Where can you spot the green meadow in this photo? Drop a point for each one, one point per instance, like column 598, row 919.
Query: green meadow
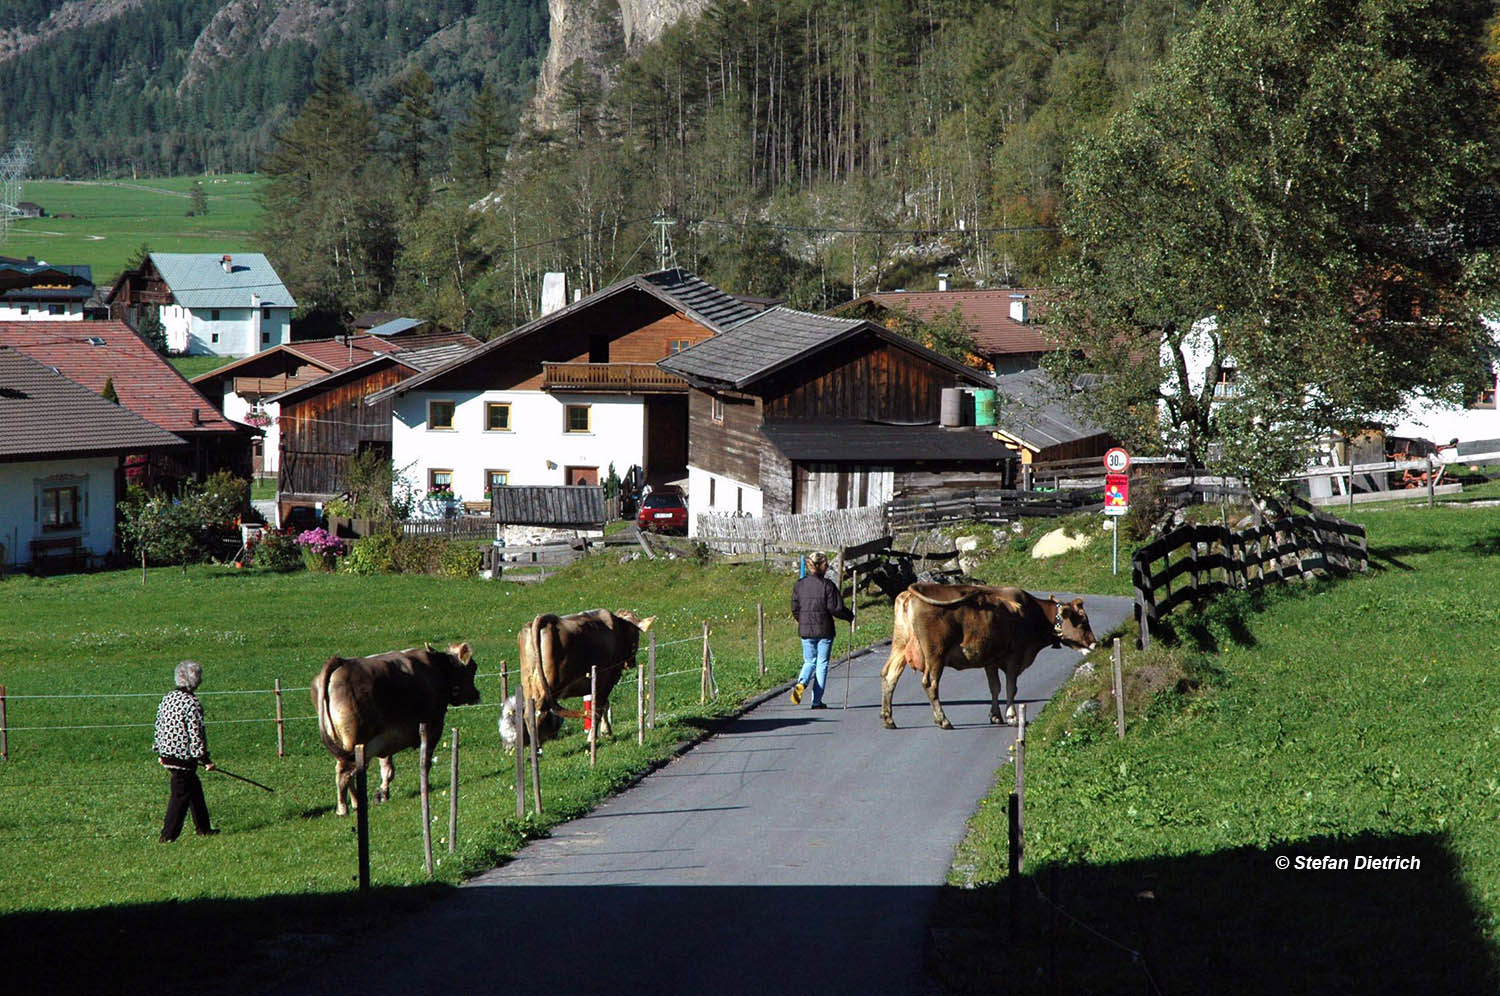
column 1321, row 725
column 102, row 223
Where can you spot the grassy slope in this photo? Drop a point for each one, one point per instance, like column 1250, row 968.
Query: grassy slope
column 1336, row 719
column 102, row 223
column 79, row 809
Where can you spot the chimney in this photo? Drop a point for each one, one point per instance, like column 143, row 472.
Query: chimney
column 577, row 294
column 554, row 292
column 942, row 281
column 1018, row 310
column 255, row 323
column 227, row 262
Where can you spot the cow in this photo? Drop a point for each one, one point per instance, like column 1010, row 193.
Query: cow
column 964, row 626
column 379, row 701
column 556, row 654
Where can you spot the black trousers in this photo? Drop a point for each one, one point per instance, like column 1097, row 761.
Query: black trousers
column 187, row 793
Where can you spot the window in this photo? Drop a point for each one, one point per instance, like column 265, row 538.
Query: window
column 718, row 409
column 440, row 415
column 60, row 507
column 497, row 416
column 25, row 309
column 213, row 315
column 265, row 338
column 55, row 309
column 678, row 345
column 711, row 483
column 265, row 314
column 214, row 337
column 739, row 499
column 439, row 481
column 495, row 479
column 1226, row 386
column 577, row 418
column 1486, row 398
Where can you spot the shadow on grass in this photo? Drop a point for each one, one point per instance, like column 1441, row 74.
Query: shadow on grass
column 1380, row 556
column 1208, row 627
column 1488, row 546
column 1225, row 922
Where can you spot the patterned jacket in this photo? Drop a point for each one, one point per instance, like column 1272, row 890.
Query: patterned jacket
column 180, row 739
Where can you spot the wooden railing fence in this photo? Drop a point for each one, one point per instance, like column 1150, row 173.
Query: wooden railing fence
column 828, row 530
column 1196, row 562
column 989, row 506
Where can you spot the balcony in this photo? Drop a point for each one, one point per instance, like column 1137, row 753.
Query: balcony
column 255, row 388
column 611, row 378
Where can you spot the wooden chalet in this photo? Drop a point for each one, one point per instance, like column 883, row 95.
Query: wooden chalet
column 1041, row 427
column 1004, row 322
column 796, row 412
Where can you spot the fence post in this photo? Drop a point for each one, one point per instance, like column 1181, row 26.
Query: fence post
column 362, row 817
column 424, row 778
column 651, row 662
column 1431, row 484
column 521, row 736
column 703, row 674
column 760, row 637
column 1119, row 693
column 536, row 767
column 593, row 714
column 4, row 729
column 640, row 705
column 453, row 796
column 504, row 683
column 280, row 735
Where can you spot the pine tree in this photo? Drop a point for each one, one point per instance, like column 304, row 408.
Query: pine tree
column 479, row 143
column 109, row 391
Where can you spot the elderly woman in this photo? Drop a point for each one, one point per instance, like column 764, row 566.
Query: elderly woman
column 182, row 745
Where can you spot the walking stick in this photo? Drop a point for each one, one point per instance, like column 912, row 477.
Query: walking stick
column 849, row 665
column 242, row 778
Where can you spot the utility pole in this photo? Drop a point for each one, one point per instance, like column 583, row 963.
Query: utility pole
column 665, row 255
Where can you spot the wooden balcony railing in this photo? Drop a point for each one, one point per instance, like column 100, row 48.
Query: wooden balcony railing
column 262, row 387
column 628, row 378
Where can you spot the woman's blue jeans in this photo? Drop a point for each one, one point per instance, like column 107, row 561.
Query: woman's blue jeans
column 815, row 665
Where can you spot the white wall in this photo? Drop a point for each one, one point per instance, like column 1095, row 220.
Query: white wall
column 535, row 451
column 236, row 408
column 240, row 330
column 72, row 311
column 20, row 499
column 726, row 492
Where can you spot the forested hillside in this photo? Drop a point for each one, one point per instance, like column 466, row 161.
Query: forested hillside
column 164, row 87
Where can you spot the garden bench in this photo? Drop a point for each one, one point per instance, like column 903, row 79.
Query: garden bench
column 62, row 552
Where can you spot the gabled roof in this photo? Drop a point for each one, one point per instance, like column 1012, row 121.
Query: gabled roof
column 1031, row 413
column 395, row 326
column 199, row 280
column 985, row 311
column 779, row 337
column 858, row 441
column 418, row 350
column 33, row 280
column 403, row 360
column 44, row 414
column 94, row 352
column 680, row 290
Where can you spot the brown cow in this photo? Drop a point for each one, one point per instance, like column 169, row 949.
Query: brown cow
column 556, row 654
column 964, row 626
column 379, row 701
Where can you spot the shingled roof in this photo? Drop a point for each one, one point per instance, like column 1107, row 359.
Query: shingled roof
column 1032, row 414
column 216, row 280
column 680, row 290
column 91, row 353
column 986, row 313
column 44, row 414
column 779, row 337
column 853, row 440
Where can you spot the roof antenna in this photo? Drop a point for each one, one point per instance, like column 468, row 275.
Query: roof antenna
column 666, row 256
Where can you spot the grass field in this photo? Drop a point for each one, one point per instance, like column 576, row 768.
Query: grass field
column 1324, row 721
column 81, row 801
column 102, row 223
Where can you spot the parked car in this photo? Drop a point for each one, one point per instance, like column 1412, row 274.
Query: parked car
column 664, row 512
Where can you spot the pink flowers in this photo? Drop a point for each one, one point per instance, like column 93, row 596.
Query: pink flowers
column 321, row 541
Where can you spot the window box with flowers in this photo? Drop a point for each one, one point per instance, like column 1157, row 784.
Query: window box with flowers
column 259, row 420
column 321, row 549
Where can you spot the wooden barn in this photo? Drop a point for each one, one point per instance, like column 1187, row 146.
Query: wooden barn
column 1041, row 427
column 796, row 412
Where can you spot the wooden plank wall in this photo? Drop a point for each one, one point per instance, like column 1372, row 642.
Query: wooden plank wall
column 868, row 379
column 775, row 480
column 321, row 431
column 731, row 447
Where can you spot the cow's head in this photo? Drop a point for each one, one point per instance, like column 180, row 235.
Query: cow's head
column 1070, row 626
column 461, row 688
column 641, row 625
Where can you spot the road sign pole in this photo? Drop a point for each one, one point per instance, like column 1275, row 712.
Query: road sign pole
column 1115, row 532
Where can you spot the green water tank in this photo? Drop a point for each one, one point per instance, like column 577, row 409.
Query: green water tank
column 984, row 406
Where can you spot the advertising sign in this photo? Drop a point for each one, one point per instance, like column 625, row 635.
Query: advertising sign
column 1116, row 494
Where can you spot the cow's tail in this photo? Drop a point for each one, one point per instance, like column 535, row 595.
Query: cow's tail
column 325, row 713
column 943, row 604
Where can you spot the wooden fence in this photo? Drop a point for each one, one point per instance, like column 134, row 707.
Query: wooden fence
column 828, row 530
column 989, row 506
column 457, row 527
column 1206, row 560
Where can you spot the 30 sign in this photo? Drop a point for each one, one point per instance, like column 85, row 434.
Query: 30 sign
column 1117, row 461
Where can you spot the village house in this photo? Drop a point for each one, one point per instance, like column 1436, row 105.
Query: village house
column 107, row 352
column 794, row 412
column 61, row 452
column 208, row 303
column 1005, row 323
column 559, row 400
column 35, row 290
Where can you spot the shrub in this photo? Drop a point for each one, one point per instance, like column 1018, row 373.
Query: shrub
column 277, row 551
column 460, row 560
column 372, row 555
column 418, row 555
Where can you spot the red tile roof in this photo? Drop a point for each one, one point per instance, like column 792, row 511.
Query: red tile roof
column 986, row 312
column 145, row 382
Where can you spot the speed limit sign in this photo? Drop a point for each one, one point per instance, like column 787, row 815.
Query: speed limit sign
column 1116, row 461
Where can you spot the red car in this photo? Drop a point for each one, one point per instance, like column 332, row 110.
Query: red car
column 663, row 512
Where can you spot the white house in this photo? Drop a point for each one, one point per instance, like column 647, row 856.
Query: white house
column 61, row 447
column 561, row 399
column 208, row 303
column 35, row 290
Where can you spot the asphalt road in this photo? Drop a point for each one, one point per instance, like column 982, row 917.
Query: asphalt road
column 796, row 851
